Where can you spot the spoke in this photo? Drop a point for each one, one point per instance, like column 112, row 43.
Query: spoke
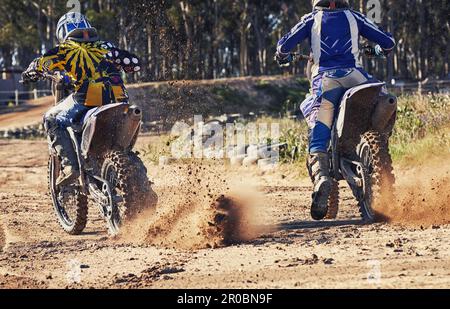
column 117, row 198
column 67, row 203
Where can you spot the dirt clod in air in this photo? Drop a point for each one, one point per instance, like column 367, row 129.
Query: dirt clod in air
column 235, row 219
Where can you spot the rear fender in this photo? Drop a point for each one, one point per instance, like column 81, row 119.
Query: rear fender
column 113, row 126
column 355, row 115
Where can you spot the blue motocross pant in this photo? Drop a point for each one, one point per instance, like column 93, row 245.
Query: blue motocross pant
column 320, row 109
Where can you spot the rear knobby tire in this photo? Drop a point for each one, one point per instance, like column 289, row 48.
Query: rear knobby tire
column 76, row 223
column 131, row 183
column 379, row 175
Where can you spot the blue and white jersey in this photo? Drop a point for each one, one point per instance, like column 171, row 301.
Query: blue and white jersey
column 334, row 38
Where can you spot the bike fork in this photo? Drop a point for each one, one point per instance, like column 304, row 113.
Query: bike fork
column 76, row 146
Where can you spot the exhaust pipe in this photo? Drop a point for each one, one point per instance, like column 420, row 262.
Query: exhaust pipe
column 135, row 112
column 384, row 110
column 129, row 127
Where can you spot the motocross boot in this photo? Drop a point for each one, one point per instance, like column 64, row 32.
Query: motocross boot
column 319, row 170
column 69, row 162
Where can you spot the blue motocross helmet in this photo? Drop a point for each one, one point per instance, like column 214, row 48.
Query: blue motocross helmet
column 76, row 27
column 332, row 4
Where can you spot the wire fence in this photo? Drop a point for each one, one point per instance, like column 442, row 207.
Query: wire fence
column 435, row 86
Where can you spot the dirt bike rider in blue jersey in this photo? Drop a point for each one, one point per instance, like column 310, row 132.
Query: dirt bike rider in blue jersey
column 333, row 30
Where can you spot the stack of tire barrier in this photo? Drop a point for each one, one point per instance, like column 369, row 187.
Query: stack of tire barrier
column 263, row 156
column 27, row 132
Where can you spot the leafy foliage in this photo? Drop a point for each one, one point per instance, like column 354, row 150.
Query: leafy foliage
column 204, row 39
column 284, row 99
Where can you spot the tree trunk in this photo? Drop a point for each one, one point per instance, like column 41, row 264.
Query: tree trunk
column 243, row 52
column 391, row 29
column 185, row 10
column 260, row 64
column 365, row 62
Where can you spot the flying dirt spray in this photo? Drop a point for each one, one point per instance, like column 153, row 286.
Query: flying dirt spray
column 422, row 196
column 201, row 209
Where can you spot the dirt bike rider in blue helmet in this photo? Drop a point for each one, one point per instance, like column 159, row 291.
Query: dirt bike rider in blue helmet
column 94, row 68
column 333, row 30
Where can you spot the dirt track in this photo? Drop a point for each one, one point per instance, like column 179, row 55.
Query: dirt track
column 27, row 114
column 293, row 251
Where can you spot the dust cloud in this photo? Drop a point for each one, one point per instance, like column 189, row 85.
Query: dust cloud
column 205, row 208
column 422, row 196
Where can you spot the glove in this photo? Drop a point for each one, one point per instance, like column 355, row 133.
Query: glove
column 376, row 51
column 30, row 76
column 283, row 59
column 369, row 51
column 380, row 51
column 66, row 80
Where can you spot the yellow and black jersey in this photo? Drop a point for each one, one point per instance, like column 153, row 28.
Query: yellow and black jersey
column 95, row 69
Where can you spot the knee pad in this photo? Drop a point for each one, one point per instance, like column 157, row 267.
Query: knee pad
column 326, row 114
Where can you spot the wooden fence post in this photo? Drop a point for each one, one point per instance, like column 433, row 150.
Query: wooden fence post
column 17, row 97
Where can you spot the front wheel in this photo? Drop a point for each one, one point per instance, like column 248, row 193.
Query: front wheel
column 130, row 188
column 377, row 174
column 70, row 204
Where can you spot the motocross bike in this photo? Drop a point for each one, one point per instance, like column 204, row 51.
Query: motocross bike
column 359, row 149
column 112, row 176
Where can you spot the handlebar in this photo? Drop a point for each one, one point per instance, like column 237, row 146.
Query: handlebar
column 299, row 57
column 368, row 51
column 293, row 57
column 55, row 77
